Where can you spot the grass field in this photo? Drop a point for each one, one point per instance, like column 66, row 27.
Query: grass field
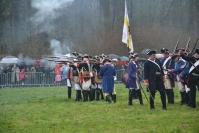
column 47, row 109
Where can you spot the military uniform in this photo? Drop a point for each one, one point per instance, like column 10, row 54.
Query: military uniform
column 179, row 65
column 167, row 63
column 85, row 78
column 99, row 93
column 193, row 77
column 107, row 72
column 76, row 80
column 153, row 74
column 132, row 80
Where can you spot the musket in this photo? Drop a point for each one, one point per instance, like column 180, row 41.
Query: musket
column 143, row 91
column 187, row 46
column 192, row 54
column 176, row 47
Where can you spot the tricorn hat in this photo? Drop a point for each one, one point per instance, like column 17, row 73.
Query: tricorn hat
column 133, row 55
column 164, row 50
column 197, row 51
column 150, row 52
column 106, row 60
column 174, row 56
column 85, row 56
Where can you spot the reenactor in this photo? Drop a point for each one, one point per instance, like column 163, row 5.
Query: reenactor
column 107, row 72
column 193, row 75
column 153, row 78
column 167, row 63
column 132, row 82
column 178, row 71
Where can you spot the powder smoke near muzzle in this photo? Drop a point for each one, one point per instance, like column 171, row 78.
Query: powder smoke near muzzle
column 56, row 47
column 47, row 11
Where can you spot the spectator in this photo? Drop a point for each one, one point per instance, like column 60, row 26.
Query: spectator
column 22, row 76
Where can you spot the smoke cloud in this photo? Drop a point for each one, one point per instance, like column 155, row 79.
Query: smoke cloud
column 47, row 11
column 56, row 47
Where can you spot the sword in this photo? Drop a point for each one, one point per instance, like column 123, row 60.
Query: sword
column 143, row 91
column 150, row 93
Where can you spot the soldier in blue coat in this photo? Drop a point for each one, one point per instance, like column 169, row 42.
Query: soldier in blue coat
column 107, row 72
column 193, row 76
column 153, row 74
column 178, row 70
column 133, row 79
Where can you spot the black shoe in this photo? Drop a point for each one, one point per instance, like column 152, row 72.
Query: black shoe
column 192, row 106
column 114, row 98
column 130, row 104
column 108, row 99
column 152, row 107
column 164, row 108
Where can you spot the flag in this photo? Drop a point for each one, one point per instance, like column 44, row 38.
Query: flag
column 126, row 37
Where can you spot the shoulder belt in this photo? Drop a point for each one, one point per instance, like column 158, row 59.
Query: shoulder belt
column 155, row 63
column 194, row 66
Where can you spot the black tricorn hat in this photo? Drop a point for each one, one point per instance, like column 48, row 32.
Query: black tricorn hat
column 174, row 56
column 75, row 53
column 133, row 55
column 164, row 50
column 183, row 49
column 106, row 60
column 197, row 51
column 150, row 52
column 85, row 56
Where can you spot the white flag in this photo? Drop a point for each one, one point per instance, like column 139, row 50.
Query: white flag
column 126, row 37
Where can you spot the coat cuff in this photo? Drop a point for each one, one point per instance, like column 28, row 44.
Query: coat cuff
column 146, row 81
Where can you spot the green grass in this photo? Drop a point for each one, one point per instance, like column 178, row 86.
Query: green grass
column 46, row 109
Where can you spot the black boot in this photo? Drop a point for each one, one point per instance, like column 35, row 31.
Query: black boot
column 182, row 98
column 111, row 95
column 69, row 92
column 187, row 97
column 152, row 97
column 130, row 97
column 78, row 95
column 97, row 94
column 90, row 93
column 76, row 99
column 168, row 95
column 114, row 98
column 94, row 91
column 139, row 94
column 163, row 99
column 101, row 93
column 108, row 99
column 85, row 95
column 172, row 96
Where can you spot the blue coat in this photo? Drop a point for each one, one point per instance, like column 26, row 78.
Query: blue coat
column 132, row 75
column 107, row 72
column 178, row 66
